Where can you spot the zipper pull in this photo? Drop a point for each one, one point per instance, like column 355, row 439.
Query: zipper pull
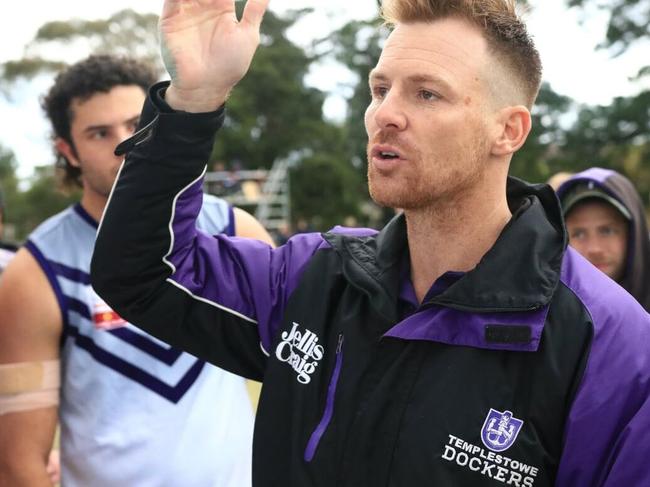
column 340, row 344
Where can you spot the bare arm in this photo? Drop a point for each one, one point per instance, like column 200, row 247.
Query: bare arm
column 30, row 329
column 247, row 226
column 207, row 50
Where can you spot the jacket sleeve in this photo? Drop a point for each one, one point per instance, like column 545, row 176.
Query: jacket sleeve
column 217, row 297
column 607, row 433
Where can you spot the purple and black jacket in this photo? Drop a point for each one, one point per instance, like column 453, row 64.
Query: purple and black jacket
column 533, row 369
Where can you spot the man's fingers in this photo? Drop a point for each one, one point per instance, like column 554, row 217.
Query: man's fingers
column 254, row 12
column 170, row 7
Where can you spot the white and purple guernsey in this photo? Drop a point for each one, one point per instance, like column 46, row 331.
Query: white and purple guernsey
column 135, row 411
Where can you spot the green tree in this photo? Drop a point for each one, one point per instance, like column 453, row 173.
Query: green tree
column 617, row 136
column 541, row 156
column 271, row 114
column 126, row 33
column 324, row 191
column 8, row 187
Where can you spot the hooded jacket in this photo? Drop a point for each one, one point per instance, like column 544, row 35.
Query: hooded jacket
column 636, row 279
column 531, row 370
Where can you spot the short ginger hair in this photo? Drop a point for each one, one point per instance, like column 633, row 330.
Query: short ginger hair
column 507, row 38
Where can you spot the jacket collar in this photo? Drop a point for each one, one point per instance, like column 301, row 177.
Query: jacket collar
column 519, row 273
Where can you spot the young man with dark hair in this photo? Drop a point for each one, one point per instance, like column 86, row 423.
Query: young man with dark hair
column 133, row 411
column 463, row 345
column 606, row 222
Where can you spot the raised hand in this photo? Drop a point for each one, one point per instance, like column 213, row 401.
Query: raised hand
column 206, row 50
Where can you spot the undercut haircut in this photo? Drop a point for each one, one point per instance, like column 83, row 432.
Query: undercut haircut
column 80, row 82
column 507, row 38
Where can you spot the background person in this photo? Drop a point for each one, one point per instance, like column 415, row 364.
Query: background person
column 606, row 222
column 7, row 250
column 133, row 411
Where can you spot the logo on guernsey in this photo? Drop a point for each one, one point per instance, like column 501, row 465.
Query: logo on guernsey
column 104, row 317
column 300, row 350
column 500, row 430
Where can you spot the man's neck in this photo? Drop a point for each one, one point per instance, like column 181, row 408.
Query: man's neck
column 93, row 204
column 453, row 236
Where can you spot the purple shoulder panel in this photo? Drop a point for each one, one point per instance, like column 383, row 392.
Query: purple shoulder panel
column 240, row 276
column 606, row 434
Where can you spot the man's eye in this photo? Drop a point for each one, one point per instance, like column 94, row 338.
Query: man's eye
column 99, row 134
column 379, row 91
column 428, row 95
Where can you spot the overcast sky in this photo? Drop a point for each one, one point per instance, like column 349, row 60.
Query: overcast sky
column 571, row 63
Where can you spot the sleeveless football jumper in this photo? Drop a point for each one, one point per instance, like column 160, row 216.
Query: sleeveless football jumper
column 135, row 411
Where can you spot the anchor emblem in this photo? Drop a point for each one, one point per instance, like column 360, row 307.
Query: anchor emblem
column 500, row 430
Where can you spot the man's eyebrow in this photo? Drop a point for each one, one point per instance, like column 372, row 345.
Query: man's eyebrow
column 413, row 79
column 95, row 128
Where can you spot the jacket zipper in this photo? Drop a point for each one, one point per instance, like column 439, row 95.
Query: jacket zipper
column 318, row 433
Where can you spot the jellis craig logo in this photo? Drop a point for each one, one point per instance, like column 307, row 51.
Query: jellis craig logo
column 300, row 350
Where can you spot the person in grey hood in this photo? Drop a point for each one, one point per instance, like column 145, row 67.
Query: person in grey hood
column 606, row 222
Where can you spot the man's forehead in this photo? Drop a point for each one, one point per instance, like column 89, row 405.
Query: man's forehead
column 451, row 38
column 594, row 210
column 119, row 104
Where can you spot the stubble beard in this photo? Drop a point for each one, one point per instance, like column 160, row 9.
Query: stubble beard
column 432, row 183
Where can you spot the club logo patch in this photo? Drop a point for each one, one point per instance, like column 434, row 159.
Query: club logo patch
column 500, row 430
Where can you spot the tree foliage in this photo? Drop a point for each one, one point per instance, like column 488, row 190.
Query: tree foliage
column 24, row 209
column 271, row 113
column 629, row 21
column 126, row 33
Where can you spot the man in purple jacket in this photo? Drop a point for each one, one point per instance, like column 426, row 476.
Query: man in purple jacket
column 463, row 345
column 606, row 221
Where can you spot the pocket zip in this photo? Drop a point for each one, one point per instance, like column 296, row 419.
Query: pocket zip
column 318, row 433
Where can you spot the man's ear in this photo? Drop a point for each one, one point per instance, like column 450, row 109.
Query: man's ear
column 514, row 125
column 65, row 148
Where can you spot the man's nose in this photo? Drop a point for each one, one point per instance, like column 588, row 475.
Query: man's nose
column 390, row 113
column 594, row 247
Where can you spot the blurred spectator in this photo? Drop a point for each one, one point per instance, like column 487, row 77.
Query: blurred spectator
column 606, row 222
column 7, row 250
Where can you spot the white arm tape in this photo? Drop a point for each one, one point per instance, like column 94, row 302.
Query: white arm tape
column 29, row 385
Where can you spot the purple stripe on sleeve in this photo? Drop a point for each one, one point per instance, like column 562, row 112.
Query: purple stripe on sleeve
column 71, row 273
column 606, row 434
column 79, row 307
column 231, row 229
column 244, row 277
column 455, row 327
column 85, row 215
column 51, row 277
